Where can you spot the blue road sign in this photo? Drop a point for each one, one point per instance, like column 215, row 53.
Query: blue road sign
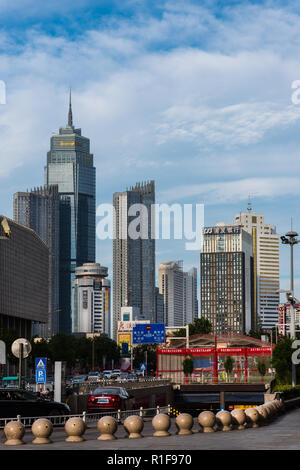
column 40, row 376
column 148, row 333
column 143, row 366
column 41, row 370
column 125, row 348
column 40, row 362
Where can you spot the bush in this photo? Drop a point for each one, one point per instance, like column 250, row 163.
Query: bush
column 287, row 391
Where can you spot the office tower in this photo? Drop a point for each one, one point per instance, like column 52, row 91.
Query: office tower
column 226, row 274
column 134, row 256
column 179, row 290
column 91, row 300
column 70, row 166
column 190, row 300
column 159, row 306
column 24, row 270
column 38, row 209
column 265, row 243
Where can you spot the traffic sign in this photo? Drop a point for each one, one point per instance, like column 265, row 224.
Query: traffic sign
column 143, row 366
column 40, row 362
column 149, row 333
column 41, row 370
column 40, row 376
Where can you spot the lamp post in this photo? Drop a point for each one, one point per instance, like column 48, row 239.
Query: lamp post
column 290, row 239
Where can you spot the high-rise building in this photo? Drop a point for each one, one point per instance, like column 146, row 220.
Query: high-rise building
column 190, row 298
column 70, row 166
column 159, row 306
column 179, row 290
column 265, row 243
column 226, row 273
column 38, row 209
column 91, row 300
column 24, row 270
column 134, row 256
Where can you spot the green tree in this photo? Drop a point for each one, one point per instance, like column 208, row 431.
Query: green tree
column 282, row 361
column 200, row 326
column 228, row 365
column 188, row 366
column 139, row 356
column 261, row 367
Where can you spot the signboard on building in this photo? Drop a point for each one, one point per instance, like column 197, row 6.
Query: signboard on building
column 221, row 229
column 148, row 333
column 128, row 325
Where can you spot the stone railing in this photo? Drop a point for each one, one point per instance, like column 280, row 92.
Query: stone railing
column 107, row 426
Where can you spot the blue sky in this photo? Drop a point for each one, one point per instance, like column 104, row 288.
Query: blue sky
column 195, row 95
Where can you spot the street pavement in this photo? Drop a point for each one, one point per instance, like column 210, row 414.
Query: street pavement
column 282, row 434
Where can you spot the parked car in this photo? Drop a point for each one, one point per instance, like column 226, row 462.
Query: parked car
column 110, row 398
column 79, row 379
column 25, row 403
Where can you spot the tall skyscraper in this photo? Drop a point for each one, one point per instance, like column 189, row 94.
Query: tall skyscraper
column 190, row 298
column 133, row 257
column 179, row 290
column 226, row 273
column 265, row 243
column 38, row 209
column 91, row 300
column 70, row 166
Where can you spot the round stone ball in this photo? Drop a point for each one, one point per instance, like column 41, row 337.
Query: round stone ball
column 253, row 417
column 207, row 420
column 14, row 431
column 239, row 418
column 107, row 426
column 134, row 425
column 184, row 423
column 75, row 428
column 262, row 413
column 42, row 428
column 161, row 424
column 224, row 419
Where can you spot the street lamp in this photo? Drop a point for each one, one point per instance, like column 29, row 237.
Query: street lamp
column 290, row 239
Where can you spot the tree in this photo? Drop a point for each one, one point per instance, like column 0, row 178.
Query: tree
column 200, row 326
column 282, row 361
column 228, row 365
column 139, row 356
column 261, row 367
column 188, row 366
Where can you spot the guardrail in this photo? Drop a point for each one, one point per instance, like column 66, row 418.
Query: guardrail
column 88, row 418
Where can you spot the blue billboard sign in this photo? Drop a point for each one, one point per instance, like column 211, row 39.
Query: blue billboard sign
column 143, row 333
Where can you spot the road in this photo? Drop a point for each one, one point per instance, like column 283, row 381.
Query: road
column 281, row 434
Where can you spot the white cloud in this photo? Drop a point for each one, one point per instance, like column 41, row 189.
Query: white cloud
column 224, row 192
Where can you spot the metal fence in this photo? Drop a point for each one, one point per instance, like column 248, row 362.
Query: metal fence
column 90, row 418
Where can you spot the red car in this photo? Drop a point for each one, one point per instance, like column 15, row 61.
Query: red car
column 110, row 399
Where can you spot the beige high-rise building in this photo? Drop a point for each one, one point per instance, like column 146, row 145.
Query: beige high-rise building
column 179, row 290
column 265, row 242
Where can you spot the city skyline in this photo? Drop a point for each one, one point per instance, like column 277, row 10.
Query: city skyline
column 161, row 103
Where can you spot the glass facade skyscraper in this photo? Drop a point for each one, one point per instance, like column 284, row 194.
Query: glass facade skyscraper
column 38, row 209
column 133, row 258
column 70, row 166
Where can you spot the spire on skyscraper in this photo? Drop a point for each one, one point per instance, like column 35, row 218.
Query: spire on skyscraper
column 70, row 115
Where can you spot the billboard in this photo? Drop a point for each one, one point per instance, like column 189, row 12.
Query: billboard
column 124, row 338
column 149, row 333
